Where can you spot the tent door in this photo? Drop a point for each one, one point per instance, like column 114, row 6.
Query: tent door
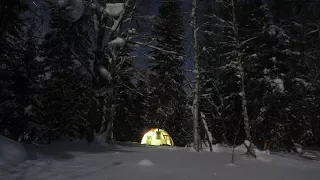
column 149, row 139
column 158, row 135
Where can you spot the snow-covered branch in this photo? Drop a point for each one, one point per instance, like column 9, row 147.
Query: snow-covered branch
column 248, row 40
column 228, row 23
column 311, row 32
column 153, row 47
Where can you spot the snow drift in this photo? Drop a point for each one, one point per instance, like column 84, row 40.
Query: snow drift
column 11, row 152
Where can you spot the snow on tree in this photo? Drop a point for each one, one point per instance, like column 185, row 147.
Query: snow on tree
column 279, row 84
column 114, row 9
column 166, row 102
column 105, row 73
column 20, row 72
column 73, row 9
column 108, row 66
column 67, row 55
column 118, row 41
column 259, row 67
column 237, row 59
column 230, row 54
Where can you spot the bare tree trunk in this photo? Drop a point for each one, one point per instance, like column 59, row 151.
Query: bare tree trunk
column 234, row 142
column 233, row 148
column 245, row 115
column 111, row 130
column 241, row 72
column 196, row 99
column 208, row 133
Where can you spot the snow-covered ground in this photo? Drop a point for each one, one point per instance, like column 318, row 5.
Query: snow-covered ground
column 11, row 152
column 77, row 160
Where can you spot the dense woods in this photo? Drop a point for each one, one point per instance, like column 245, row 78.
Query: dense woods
column 69, row 68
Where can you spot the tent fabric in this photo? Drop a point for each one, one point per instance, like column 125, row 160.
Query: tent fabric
column 157, row 137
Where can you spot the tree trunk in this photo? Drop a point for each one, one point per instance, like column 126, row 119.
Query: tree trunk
column 242, row 74
column 208, row 133
column 92, row 119
column 245, row 115
column 196, row 99
column 102, row 111
column 97, row 112
column 111, row 131
column 97, row 116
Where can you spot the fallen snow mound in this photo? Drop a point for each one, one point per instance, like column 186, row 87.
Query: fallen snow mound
column 11, row 152
column 145, row 162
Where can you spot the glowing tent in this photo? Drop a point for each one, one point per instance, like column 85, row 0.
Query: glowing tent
column 157, row 137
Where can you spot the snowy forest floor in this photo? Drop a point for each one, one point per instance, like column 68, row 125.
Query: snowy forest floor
column 79, row 161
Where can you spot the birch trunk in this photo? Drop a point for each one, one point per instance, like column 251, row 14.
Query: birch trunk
column 196, row 99
column 245, row 115
column 208, row 133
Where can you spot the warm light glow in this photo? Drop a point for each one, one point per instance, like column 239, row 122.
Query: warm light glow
column 150, row 138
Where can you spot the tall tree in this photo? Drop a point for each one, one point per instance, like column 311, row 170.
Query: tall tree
column 66, row 52
column 167, row 99
column 260, row 48
column 19, row 69
column 196, row 100
column 110, row 36
column 228, row 51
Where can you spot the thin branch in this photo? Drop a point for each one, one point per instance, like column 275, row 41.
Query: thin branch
column 79, row 59
column 220, row 19
column 313, row 31
column 148, row 56
column 248, row 40
column 133, row 90
column 153, row 47
column 132, row 12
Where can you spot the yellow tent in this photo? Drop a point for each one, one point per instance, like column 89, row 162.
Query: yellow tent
column 157, row 137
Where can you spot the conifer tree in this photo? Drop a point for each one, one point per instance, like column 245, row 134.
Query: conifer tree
column 19, row 70
column 166, row 101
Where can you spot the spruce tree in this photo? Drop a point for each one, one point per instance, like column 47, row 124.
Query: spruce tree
column 66, row 52
column 19, row 70
column 166, row 101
